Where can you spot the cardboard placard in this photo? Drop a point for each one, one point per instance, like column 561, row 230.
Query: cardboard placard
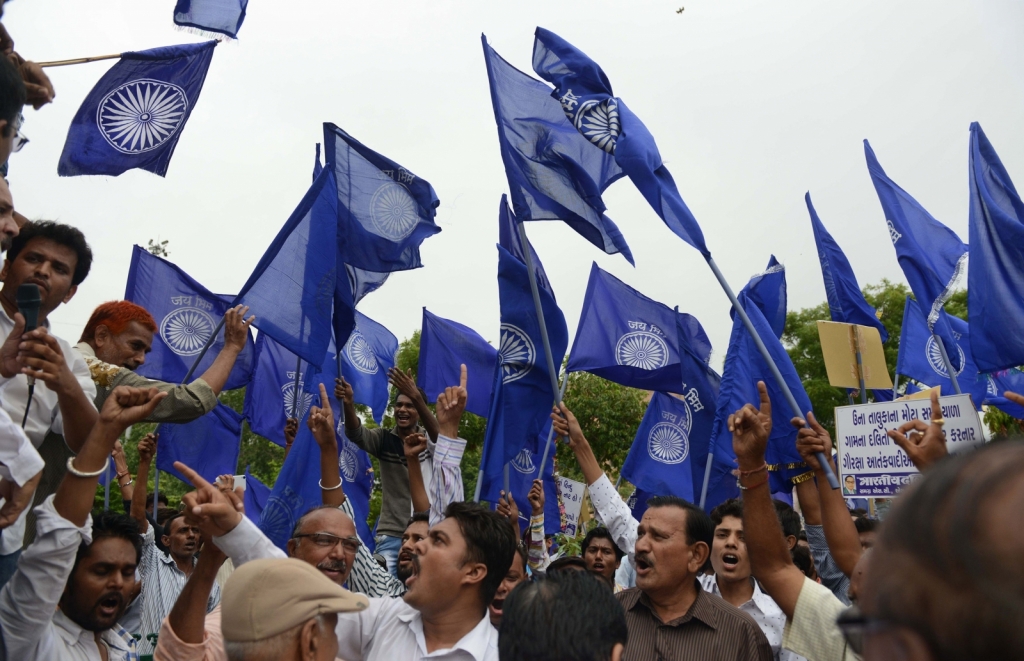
column 839, row 343
column 571, row 493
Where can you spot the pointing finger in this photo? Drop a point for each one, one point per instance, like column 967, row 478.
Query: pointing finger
column 766, row 404
column 324, row 402
column 195, row 478
column 462, row 376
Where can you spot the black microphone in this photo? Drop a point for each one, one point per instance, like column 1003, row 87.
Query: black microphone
column 28, row 301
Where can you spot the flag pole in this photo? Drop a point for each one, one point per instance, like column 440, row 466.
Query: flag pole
column 505, row 480
column 341, row 423
column 829, row 475
column 551, row 431
column 78, row 60
column 895, row 384
column 295, row 388
column 860, row 364
column 707, row 476
column 106, row 489
column 949, row 366
column 479, row 483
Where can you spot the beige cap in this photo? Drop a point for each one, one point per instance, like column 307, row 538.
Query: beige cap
column 266, row 597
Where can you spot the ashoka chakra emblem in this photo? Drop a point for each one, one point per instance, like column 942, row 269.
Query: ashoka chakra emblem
column 934, row 355
column 599, row 123
column 393, row 211
column 186, row 330
column 515, row 352
column 141, row 115
column 300, row 407
column 360, row 353
column 277, row 519
column 524, row 462
column 642, row 349
column 668, row 444
column 348, row 461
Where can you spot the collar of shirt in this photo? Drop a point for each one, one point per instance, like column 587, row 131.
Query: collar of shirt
column 169, row 561
column 699, row 610
column 759, row 601
column 475, row 643
column 116, row 638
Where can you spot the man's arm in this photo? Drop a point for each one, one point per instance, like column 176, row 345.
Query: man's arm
column 406, row 386
column 926, row 444
column 353, row 425
column 236, row 332
column 536, row 548
column 412, row 446
column 770, row 560
column 291, row 430
column 188, row 617
column 831, row 576
column 122, row 475
column 367, row 576
column 321, row 423
column 147, row 448
column 447, row 484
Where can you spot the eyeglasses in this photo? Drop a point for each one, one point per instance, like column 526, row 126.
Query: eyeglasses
column 19, row 140
column 326, row 540
column 855, row 627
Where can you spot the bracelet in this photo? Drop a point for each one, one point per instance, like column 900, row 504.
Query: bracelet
column 77, row 473
column 763, row 467
column 128, row 484
column 338, row 486
column 752, row 486
column 802, row 477
column 120, row 475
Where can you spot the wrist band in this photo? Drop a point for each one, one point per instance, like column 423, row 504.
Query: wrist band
column 338, row 486
column 763, row 467
column 752, row 486
column 77, row 473
column 120, row 475
column 802, row 477
column 127, row 484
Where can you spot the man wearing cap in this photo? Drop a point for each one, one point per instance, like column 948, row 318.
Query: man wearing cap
column 283, row 609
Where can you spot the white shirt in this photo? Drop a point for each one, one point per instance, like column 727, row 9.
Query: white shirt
column 19, row 459
column 43, row 415
column 33, row 628
column 765, row 612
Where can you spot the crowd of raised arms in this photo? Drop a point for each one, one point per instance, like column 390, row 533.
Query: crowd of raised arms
column 942, row 579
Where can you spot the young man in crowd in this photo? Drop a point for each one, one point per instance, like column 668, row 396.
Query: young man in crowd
column 602, row 556
column 516, row 574
column 668, row 614
column 74, row 582
column 867, row 531
column 410, row 410
column 56, row 259
column 415, row 532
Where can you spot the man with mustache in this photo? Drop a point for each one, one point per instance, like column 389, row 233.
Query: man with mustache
column 73, row 583
column 415, row 532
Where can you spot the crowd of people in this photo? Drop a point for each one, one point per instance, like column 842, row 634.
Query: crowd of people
column 753, row 579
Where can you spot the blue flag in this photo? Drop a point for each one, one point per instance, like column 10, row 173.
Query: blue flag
column 134, row 115
column 364, row 282
column 998, row 384
column 219, row 16
column 272, row 395
column 553, row 172
column 932, row 256
column 296, row 490
column 995, row 291
column 384, row 210
column 700, row 390
column 255, row 497
column 444, row 346
column 291, row 290
column 846, row 303
column 637, row 502
column 586, row 98
column 509, row 239
column 767, row 290
column 521, row 474
column 625, row 337
column 660, row 460
column 209, row 445
column 186, row 314
column 521, row 395
column 919, row 356
column 366, row 358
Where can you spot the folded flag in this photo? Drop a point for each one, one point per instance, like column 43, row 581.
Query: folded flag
column 135, row 114
column 995, row 277
column 846, row 303
column 767, row 290
column 630, row 339
column 444, row 346
column 365, row 360
column 186, row 315
column 209, row 444
column 553, row 172
column 659, row 461
column 217, row 16
column 585, row 94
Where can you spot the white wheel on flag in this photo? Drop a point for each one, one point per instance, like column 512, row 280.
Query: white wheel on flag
column 348, row 461
column 934, row 355
column 668, row 444
column 598, row 121
column 141, row 115
column 524, row 462
column 641, row 349
column 361, row 354
column 186, row 330
column 393, row 211
column 515, row 352
column 305, row 400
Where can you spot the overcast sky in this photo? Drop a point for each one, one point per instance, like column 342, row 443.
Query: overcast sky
column 752, row 104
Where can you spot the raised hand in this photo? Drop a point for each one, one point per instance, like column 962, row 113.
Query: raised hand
column 413, row 445
column 125, row 406
column 810, row 440
column 16, row 498
column 508, row 508
column 925, row 443
column 291, row 430
column 750, row 429
column 225, row 482
column 1014, row 397
column 236, row 327
column 217, row 512
column 343, row 391
column 404, row 383
column 567, row 426
column 321, row 420
column 450, row 406
column 9, row 363
column 41, row 357
column 147, row 448
column 536, row 497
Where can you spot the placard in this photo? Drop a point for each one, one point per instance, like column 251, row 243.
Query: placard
column 871, row 464
column 839, row 343
column 571, row 493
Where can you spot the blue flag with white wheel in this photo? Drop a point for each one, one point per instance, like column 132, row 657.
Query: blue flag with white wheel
column 585, row 94
column 255, row 497
column 630, row 339
column 553, row 172
column 997, row 385
column 522, row 471
column 700, row 386
column 521, row 396
column 186, row 314
column 366, row 358
column 659, row 461
column 272, row 396
column 216, row 16
column 509, row 239
column 445, row 345
column 209, row 445
column 134, row 115
column 384, row 210
column 931, row 255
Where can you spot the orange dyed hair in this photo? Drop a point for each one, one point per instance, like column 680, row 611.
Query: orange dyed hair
column 116, row 315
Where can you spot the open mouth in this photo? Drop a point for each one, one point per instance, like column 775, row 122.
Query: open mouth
column 598, row 566
column 110, row 605
column 497, row 605
column 730, row 561
column 643, row 566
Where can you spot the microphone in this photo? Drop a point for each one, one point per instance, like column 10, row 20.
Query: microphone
column 28, row 301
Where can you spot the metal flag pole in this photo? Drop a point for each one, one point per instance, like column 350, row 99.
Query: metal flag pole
column 295, row 387
column 551, row 431
column 106, row 489
column 505, row 480
column 78, row 60
column 895, row 384
column 829, row 475
column 341, row 404
column 945, row 361
column 479, row 483
column 707, row 476
column 860, row 364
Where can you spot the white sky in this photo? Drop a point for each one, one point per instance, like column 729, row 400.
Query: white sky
column 752, row 103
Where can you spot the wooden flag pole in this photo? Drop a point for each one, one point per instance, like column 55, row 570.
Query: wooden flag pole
column 78, row 60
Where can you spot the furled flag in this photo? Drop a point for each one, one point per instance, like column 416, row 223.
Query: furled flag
column 932, row 256
column 186, row 315
column 744, row 367
column 291, row 290
column 134, row 115
column 521, row 474
column 586, row 98
column 660, row 461
column 365, row 360
column 553, row 172
column 209, row 444
column 509, row 239
column 846, row 303
column 995, row 277
column 444, row 346
column 700, row 391
column 919, row 356
column 384, row 210
column 276, row 390
column 521, row 395
column 217, row 16
column 255, row 496
column 767, row 290
column 625, row 337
